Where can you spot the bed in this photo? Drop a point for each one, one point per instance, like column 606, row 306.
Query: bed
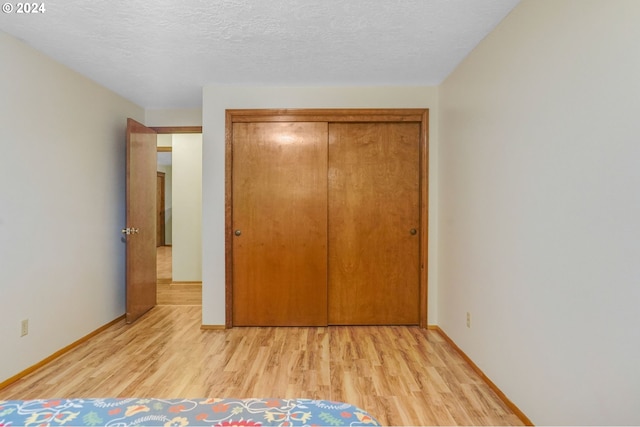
column 182, row 412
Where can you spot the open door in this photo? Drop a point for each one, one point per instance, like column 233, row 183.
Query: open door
column 141, row 220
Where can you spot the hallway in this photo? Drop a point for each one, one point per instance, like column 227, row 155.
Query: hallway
column 170, row 292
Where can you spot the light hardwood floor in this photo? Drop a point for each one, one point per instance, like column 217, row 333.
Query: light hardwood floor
column 169, row 292
column 401, row 375
column 164, row 267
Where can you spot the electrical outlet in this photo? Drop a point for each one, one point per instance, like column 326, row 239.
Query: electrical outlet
column 468, row 319
column 24, row 327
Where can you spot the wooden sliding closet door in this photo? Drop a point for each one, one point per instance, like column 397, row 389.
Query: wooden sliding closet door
column 374, row 223
column 279, row 224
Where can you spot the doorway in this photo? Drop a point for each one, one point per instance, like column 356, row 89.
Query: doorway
column 164, row 216
column 179, row 282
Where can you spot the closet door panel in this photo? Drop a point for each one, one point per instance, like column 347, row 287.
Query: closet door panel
column 374, row 218
column 280, row 224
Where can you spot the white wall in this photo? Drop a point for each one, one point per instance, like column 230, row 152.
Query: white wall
column 164, row 139
column 218, row 98
column 187, row 207
column 62, row 188
column 173, row 117
column 540, row 209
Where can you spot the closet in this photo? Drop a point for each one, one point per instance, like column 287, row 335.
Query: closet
column 326, row 217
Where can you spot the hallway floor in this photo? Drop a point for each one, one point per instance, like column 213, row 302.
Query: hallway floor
column 170, row 292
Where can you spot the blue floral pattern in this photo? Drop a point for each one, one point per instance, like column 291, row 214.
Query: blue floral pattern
column 181, row 412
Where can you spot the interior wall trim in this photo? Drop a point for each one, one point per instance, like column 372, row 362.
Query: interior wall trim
column 59, row 353
column 176, row 129
column 484, row 378
column 213, row 327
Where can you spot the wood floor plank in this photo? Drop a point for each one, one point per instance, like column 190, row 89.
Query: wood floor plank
column 164, row 266
column 168, row 291
column 401, row 375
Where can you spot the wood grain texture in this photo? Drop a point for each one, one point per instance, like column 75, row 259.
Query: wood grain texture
column 177, row 129
column 403, row 375
column 228, row 219
column 164, row 264
column 141, row 215
column 279, row 207
column 326, row 115
column 374, row 205
column 424, row 217
column 420, row 116
column 521, row 415
column 59, row 353
column 174, row 293
column 180, row 293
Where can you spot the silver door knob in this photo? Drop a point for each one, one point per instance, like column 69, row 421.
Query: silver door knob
column 238, row 232
column 413, row 231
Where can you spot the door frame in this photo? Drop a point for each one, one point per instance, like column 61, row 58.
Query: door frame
column 130, row 268
column 417, row 115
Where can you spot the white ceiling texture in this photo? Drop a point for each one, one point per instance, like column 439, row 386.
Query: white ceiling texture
column 160, row 53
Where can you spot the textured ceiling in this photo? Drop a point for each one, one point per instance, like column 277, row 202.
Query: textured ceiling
column 160, row 54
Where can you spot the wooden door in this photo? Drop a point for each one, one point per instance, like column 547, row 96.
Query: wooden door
column 280, row 224
column 160, row 208
column 374, row 222
column 141, row 220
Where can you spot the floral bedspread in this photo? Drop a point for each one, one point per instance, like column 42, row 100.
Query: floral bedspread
column 181, row 412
